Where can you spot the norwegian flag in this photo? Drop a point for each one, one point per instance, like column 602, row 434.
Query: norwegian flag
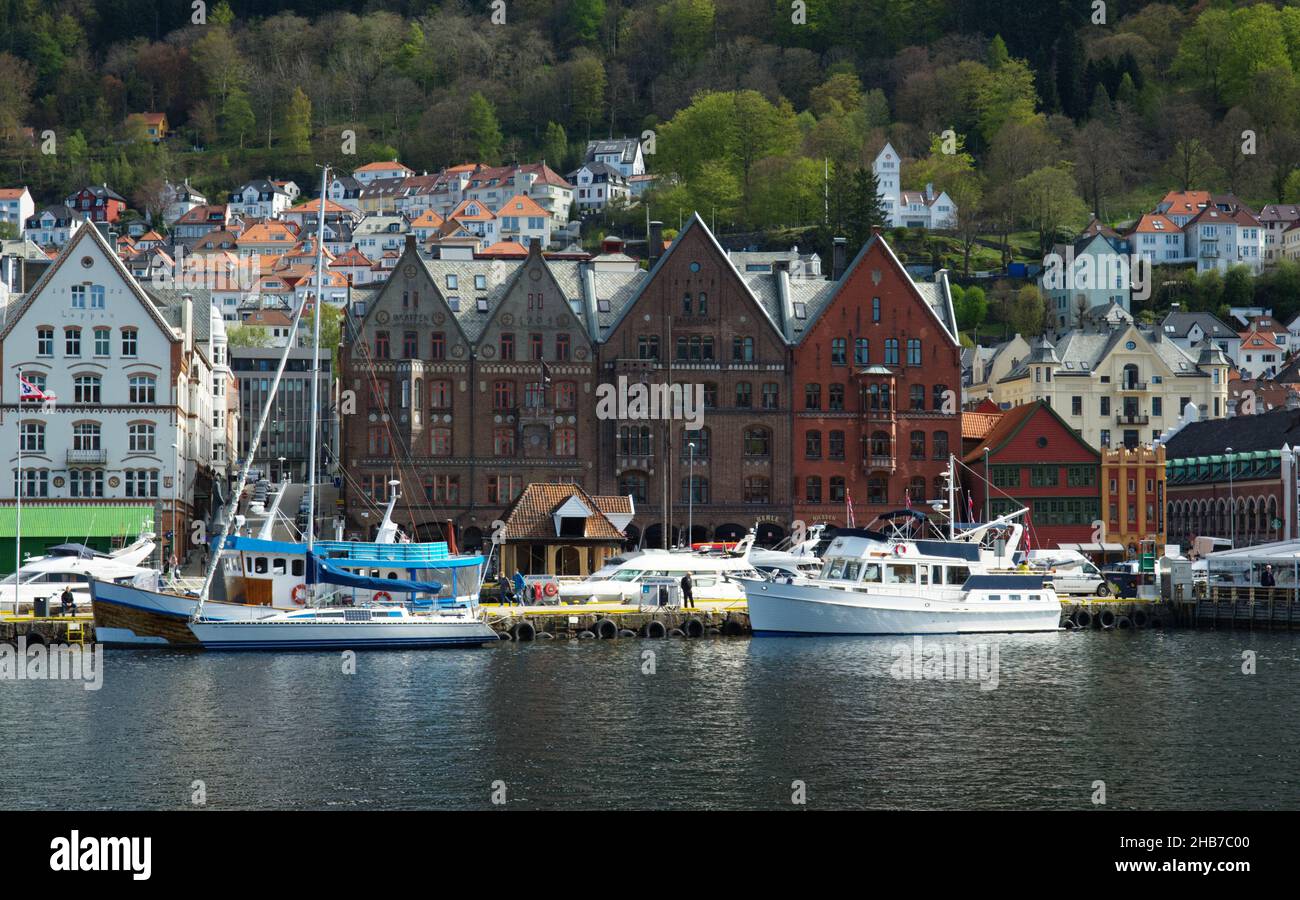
column 848, row 509
column 29, row 391
column 907, row 499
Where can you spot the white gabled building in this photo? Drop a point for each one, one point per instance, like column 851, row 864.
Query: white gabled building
column 263, row 198
column 1219, row 239
column 16, row 207
column 53, row 226
column 909, row 209
column 624, row 154
column 131, row 374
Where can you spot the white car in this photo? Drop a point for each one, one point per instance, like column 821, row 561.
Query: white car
column 1084, row 578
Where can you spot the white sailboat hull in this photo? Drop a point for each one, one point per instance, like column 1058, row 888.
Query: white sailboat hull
column 777, row 608
column 132, row 616
column 290, row 635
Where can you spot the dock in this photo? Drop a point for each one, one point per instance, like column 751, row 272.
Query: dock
column 1251, row 607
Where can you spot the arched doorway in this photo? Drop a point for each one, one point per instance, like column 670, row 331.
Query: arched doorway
column 568, row 561
column 729, row 532
column 632, row 536
column 471, row 538
column 769, row 534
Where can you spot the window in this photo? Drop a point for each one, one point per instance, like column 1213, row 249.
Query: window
column 813, row 489
column 1005, row 476
column 409, row 345
column 562, row 347
column 941, row 445
column 702, row 304
column 535, row 349
column 771, row 395
column 878, row 445
column 1076, row 406
column 503, row 395
column 566, row 442
column 838, row 490
column 916, row 394
column 861, row 351
column 381, row 345
column 918, row 445
column 686, row 304
column 742, row 349
column 32, row 437
column 1081, row 476
column 507, row 346
column 142, row 389
column 813, row 445
column 744, row 395
column 534, row 395
column 758, row 443
column 35, row 483
column 695, row 489
column 875, row 309
column 86, row 482
column 1157, row 406
column 913, row 351
column 634, row 484
column 835, row 398
column 141, row 482
column 377, row 441
column 758, row 489
column 835, row 445
column 45, row 342
column 635, row 440
column 647, row 346
column 85, row 436
column 566, row 395
column 438, row 345
column 939, row 396
column 1043, row 476
column 1105, row 406
column 891, row 351
column 503, row 441
column 504, row 488
column 86, row 389
column 78, row 296
column 839, row 351
column 443, row 488
column 103, row 339
column 140, row 437
column 72, row 342
column 440, row 394
column 812, row 396
column 710, row 395
column 440, row 442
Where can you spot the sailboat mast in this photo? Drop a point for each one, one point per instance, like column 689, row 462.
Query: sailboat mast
column 315, row 363
column 952, row 509
column 18, row 510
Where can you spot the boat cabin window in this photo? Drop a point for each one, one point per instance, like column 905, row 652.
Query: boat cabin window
column 705, row 581
column 626, row 575
column 924, row 574
column 297, row 566
column 1035, row 597
column 1014, row 598
column 852, row 571
column 836, row 569
column 900, row 573
column 278, row 566
column 995, row 596
column 871, row 573
column 958, row 574
column 259, row 565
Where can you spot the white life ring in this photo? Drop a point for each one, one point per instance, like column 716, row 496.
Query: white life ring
column 383, row 597
column 900, row 549
column 300, row 594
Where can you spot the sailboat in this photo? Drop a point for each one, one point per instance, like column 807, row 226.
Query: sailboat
column 284, row 583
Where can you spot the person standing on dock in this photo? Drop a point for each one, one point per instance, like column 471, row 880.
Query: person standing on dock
column 688, row 596
column 521, row 588
column 1266, row 578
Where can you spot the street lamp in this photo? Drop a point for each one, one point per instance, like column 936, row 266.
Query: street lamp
column 1232, row 504
column 690, row 498
column 281, row 459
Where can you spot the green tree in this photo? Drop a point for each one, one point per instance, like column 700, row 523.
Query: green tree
column 237, row 117
column 482, row 128
column 296, row 130
column 249, row 336
column 555, row 146
column 862, row 208
column 582, row 20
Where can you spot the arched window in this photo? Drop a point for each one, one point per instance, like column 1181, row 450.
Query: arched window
column 633, row 483
column 880, row 444
column 813, row 445
column 440, row 394
column 812, row 489
column 758, row 443
column 838, row 490
column 941, row 445
column 86, row 389
column 701, row 438
column 695, row 489
column 918, row 445
column 812, row 396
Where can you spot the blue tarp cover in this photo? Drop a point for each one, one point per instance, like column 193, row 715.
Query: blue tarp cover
column 321, row 571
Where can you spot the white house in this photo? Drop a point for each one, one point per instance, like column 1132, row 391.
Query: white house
column 261, row 198
column 1219, row 239
column 54, row 226
column 381, row 170
column 181, row 198
column 624, row 154
column 376, row 233
column 1087, row 277
column 131, row 378
column 596, row 183
column 16, row 207
column 910, row 209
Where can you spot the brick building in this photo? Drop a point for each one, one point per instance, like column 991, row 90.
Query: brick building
column 1133, row 497
column 470, row 379
column 878, row 382
column 1037, row 461
column 698, row 322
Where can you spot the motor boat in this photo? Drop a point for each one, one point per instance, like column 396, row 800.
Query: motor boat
column 714, row 576
column 71, row 566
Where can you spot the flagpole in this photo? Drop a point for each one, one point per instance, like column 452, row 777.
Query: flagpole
column 18, row 508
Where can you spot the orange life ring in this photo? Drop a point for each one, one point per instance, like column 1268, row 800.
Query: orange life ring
column 300, row 594
column 383, row 597
column 550, row 590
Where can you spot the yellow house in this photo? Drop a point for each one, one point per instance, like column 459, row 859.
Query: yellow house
column 151, row 124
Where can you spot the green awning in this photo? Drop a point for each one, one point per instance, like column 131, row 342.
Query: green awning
column 75, row 522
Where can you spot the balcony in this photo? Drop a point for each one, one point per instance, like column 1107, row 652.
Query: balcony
column 1132, row 387
column 1132, row 419
column 644, row 463
column 876, row 463
column 532, row 415
column 87, row 457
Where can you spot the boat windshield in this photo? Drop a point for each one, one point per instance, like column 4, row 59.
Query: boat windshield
column 626, row 575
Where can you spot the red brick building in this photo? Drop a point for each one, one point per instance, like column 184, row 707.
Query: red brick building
column 878, row 393
column 1036, row 460
column 699, row 323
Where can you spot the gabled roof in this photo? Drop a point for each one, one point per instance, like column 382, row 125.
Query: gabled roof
column 383, row 167
column 1010, row 424
column 521, row 205
column 1179, row 324
column 1244, row 434
column 1155, row 223
column 529, row 517
column 1185, row 203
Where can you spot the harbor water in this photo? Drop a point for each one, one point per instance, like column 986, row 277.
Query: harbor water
column 1165, row 719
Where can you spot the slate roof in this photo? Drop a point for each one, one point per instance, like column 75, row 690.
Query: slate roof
column 1182, row 323
column 1245, row 434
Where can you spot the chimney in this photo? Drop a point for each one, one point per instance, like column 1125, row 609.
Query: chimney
column 656, row 248
column 1174, row 307
column 875, row 231
column 410, row 242
column 929, row 191
column 187, row 321
column 839, row 246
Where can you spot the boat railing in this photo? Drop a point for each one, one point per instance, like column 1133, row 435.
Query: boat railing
column 386, row 553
